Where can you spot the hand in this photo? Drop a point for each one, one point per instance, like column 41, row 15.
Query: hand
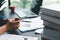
column 13, row 24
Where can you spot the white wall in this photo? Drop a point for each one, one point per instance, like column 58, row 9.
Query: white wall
column 4, row 5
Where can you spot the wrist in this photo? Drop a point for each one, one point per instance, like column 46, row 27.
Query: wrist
column 4, row 28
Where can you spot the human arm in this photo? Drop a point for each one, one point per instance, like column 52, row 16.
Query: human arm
column 12, row 24
column 3, row 29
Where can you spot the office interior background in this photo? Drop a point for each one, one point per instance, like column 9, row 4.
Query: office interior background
column 26, row 5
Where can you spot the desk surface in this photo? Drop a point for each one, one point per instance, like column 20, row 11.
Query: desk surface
column 17, row 37
column 32, row 33
column 29, row 34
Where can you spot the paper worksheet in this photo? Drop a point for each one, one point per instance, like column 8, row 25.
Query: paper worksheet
column 33, row 23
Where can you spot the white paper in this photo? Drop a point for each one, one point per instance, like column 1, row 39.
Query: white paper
column 34, row 24
column 55, row 7
column 39, row 31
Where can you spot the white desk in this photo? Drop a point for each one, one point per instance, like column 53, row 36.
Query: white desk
column 16, row 37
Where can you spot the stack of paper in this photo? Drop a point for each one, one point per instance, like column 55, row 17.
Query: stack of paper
column 54, row 26
column 51, row 18
column 51, row 32
column 51, row 10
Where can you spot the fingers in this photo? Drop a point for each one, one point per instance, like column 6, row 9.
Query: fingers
column 11, row 20
column 13, row 23
column 14, row 20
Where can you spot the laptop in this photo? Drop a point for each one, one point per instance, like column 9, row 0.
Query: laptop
column 25, row 13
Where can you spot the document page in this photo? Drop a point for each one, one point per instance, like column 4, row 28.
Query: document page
column 32, row 24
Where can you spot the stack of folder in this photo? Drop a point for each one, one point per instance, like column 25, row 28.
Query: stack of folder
column 51, row 20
